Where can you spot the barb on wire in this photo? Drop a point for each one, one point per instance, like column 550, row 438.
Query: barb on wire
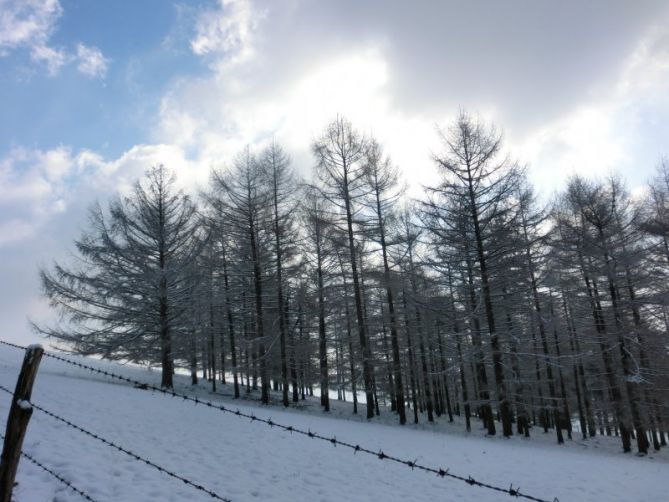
column 308, row 433
column 60, row 478
column 130, row 453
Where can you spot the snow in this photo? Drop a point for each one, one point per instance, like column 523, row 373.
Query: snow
column 247, row 461
column 23, row 404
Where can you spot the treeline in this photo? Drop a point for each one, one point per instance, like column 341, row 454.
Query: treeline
column 474, row 301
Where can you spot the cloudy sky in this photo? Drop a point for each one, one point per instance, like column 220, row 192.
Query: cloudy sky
column 93, row 93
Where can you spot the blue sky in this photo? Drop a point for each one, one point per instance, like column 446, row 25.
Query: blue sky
column 146, row 50
column 93, row 93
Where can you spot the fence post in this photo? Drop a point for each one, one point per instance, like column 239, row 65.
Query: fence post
column 17, row 421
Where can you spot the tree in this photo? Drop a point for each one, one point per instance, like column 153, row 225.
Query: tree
column 382, row 179
column 473, row 299
column 340, row 154
column 480, row 183
column 128, row 293
column 599, row 219
column 529, row 222
column 282, row 188
column 317, row 227
column 241, row 200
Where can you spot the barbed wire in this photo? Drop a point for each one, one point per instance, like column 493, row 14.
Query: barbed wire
column 55, row 475
column 132, row 454
column 413, row 464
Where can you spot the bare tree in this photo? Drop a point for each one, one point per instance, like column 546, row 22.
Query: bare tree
column 281, row 186
column 242, row 200
column 482, row 182
column 317, row 227
column 382, row 179
column 340, row 155
column 127, row 295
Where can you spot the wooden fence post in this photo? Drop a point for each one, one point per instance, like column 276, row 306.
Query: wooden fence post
column 17, row 421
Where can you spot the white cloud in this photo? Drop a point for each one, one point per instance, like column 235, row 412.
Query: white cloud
column 278, row 86
column 33, row 187
column 29, row 24
column 228, row 32
column 647, row 69
column 618, row 131
column 53, row 58
column 36, row 185
column 44, row 195
column 285, row 75
column 121, row 174
column 583, row 141
column 15, row 230
column 92, row 62
column 29, row 176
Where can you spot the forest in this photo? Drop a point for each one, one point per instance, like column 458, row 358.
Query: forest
column 480, row 299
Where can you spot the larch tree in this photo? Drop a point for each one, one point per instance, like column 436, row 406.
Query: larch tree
column 470, row 300
column 340, row 156
column 127, row 295
column 317, row 226
column 382, row 179
column 281, row 186
column 482, row 180
column 242, row 201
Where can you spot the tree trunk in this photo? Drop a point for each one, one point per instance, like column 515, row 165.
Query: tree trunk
column 394, row 338
column 322, row 342
column 505, row 406
column 231, row 326
column 367, row 371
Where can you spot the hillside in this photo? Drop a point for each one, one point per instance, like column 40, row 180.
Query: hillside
column 246, row 461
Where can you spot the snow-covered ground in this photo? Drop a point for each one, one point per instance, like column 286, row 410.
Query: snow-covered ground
column 246, row 461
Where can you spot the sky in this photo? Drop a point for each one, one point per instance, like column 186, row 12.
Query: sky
column 94, row 93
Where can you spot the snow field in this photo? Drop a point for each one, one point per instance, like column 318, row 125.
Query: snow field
column 247, row 461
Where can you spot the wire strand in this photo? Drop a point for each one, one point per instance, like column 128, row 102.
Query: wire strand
column 55, row 475
column 130, row 453
column 413, row 464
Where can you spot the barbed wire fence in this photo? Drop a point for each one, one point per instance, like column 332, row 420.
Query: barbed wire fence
column 54, row 474
column 130, row 453
column 356, row 448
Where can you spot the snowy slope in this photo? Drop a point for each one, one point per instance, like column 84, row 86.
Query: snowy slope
column 247, row 461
